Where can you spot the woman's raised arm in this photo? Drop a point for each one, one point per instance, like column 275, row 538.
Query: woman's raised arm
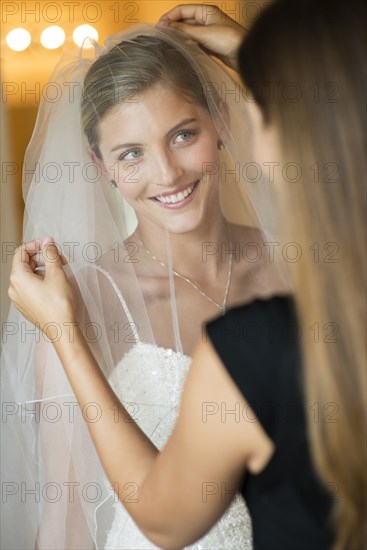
column 215, row 31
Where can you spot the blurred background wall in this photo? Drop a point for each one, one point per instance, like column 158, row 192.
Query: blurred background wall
column 24, row 73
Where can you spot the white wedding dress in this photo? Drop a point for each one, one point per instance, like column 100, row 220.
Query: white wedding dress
column 148, row 381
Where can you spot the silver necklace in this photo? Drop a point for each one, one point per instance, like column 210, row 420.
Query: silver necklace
column 222, row 307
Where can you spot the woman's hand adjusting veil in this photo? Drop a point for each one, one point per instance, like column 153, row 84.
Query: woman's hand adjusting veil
column 217, row 33
column 42, row 299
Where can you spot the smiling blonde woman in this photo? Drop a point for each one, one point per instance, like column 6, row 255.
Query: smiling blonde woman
column 163, row 221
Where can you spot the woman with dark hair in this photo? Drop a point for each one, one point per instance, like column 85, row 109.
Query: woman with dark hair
column 281, row 420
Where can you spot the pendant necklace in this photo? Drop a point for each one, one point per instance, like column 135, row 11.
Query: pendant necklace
column 221, row 307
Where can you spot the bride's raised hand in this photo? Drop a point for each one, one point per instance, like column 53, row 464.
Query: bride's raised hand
column 215, row 31
column 43, row 299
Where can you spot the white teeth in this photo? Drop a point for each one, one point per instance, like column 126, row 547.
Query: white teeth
column 178, row 197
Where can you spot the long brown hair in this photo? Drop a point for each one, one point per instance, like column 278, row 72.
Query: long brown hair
column 304, row 63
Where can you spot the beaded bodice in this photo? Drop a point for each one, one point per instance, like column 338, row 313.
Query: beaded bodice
column 149, row 381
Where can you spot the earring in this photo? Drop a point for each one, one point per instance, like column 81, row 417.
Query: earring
column 220, row 145
column 113, row 184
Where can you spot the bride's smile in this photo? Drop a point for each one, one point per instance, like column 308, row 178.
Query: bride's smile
column 177, row 198
column 160, row 149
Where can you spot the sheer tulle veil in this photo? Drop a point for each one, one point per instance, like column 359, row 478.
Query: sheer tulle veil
column 54, row 490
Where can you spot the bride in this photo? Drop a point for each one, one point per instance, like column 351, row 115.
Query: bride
column 126, row 172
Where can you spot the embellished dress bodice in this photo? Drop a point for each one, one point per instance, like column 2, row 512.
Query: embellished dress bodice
column 149, row 381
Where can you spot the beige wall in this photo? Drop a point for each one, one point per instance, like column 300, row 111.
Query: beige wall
column 11, row 208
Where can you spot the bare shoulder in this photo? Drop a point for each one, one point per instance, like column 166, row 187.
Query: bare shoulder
column 256, row 272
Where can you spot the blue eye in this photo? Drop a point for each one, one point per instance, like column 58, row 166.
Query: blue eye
column 185, row 135
column 134, row 154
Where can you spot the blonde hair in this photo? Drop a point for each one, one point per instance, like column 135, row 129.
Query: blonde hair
column 132, row 67
column 318, row 47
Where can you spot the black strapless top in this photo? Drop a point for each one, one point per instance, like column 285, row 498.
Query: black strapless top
column 259, row 345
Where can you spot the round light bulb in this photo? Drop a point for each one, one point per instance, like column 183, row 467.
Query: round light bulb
column 18, row 39
column 53, row 37
column 81, row 35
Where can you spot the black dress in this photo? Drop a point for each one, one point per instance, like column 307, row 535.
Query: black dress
column 259, row 345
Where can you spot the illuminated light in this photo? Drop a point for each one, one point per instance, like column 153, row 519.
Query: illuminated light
column 18, row 39
column 82, row 33
column 53, row 37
